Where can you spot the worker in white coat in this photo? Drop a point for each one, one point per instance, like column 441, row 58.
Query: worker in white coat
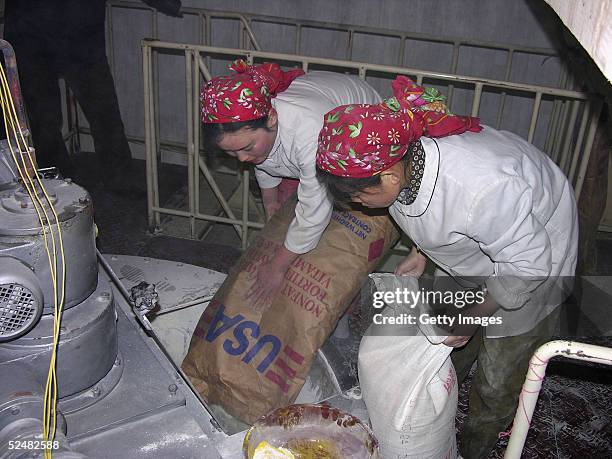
column 488, row 208
column 271, row 119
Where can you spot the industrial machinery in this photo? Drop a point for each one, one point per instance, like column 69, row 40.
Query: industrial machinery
column 94, row 376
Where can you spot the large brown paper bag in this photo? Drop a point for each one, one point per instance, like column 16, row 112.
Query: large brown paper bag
column 253, row 360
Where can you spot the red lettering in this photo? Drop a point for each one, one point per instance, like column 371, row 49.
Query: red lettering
column 293, row 355
column 278, row 380
column 280, row 363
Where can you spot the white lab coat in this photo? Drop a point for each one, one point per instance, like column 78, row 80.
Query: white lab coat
column 300, row 118
column 493, row 206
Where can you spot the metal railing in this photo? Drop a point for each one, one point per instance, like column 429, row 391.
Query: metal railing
column 576, row 139
column 568, row 143
column 535, row 378
column 247, row 40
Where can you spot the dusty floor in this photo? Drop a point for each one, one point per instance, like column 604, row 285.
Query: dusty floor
column 574, row 413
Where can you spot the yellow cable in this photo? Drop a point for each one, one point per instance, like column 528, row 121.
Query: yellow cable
column 50, row 398
column 29, row 185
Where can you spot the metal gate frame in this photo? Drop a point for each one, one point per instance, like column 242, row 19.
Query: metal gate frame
column 247, row 40
column 572, row 155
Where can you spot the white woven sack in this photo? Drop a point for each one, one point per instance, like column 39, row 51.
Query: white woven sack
column 408, row 384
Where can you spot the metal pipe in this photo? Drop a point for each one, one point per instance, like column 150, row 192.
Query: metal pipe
column 217, row 192
column 502, row 102
column 246, row 24
column 245, row 208
column 476, row 102
column 298, row 39
column 188, row 304
column 588, row 147
column 195, row 101
column 349, row 45
column 555, row 113
column 552, row 127
column 201, row 29
column 402, row 51
column 534, row 116
column 581, row 131
column 569, row 132
column 208, row 38
column 373, row 67
column 210, row 218
column 557, row 140
column 453, row 69
column 190, row 141
column 533, row 383
column 204, row 68
column 154, row 132
column 146, row 63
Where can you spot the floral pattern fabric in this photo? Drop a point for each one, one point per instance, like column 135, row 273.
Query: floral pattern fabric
column 364, row 140
column 246, row 94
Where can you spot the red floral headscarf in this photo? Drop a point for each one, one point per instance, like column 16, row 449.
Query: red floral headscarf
column 246, row 94
column 364, row 140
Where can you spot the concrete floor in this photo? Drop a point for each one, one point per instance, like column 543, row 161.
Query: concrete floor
column 574, row 413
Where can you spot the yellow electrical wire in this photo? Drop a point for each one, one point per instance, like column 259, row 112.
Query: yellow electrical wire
column 50, row 400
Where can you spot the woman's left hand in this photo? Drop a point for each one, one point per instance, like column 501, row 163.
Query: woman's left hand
column 266, row 285
column 269, row 279
column 456, row 341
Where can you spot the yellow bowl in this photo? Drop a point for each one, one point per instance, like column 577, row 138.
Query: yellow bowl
column 309, row 432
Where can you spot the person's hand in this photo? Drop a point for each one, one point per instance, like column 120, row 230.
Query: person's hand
column 412, row 265
column 266, row 285
column 271, row 209
column 269, row 279
column 456, row 341
column 271, row 201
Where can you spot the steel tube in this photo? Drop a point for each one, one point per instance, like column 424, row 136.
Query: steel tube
column 195, row 101
column 349, row 45
column 374, row 67
column 217, row 192
column 210, row 218
column 502, row 102
column 453, row 70
column 557, row 140
column 476, row 101
column 581, row 131
column 188, row 304
column 588, row 147
column 204, row 68
column 245, row 208
column 534, row 379
column 569, row 131
column 190, row 140
column 146, row 68
column 534, row 116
